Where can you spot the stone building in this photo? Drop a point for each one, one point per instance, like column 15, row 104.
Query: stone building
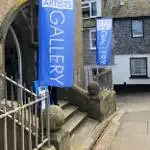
column 131, row 38
column 19, row 40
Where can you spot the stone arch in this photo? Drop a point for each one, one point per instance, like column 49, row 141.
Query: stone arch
column 10, row 16
column 5, row 22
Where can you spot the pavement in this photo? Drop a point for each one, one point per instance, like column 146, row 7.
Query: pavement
column 130, row 128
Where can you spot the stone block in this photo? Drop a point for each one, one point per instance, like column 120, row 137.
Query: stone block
column 56, row 116
column 93, row 88
column 61, row 140
column 98, row 106
column 107, row 103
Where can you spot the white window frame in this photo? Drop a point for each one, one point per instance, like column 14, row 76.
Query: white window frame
column 90, row 38
column 89, row 2
column 136, row 75
column 142, row 28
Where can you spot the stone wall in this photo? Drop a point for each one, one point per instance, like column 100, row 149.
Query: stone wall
column 98, row 107
column 78, row 45
column 5, row 7
column 8, row 9
column 123, row 41
column 130, row 8
column 8, row 12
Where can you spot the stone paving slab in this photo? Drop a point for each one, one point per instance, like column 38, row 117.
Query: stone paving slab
column 132, row 130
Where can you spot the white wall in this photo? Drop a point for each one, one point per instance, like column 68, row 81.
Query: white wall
column 121, row 70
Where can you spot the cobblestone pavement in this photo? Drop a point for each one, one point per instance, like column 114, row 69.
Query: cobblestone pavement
column 130, row 128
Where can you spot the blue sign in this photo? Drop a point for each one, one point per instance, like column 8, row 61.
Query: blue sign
column 56, row 42
column 41, row 91
column 103, row 41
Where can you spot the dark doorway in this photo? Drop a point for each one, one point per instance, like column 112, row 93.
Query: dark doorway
column 25, row 27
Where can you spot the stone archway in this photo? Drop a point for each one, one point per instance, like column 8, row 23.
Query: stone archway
column 16, row 22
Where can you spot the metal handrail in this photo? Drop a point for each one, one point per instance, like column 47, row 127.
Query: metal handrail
column 22, row 107
column 17, row 84
column 28, row 113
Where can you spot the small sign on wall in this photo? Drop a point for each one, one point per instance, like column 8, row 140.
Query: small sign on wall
column 41, row 91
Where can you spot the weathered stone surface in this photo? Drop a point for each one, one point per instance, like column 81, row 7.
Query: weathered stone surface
column 131, row 8
column 56, row 116
column 79, row 74
column 107, row 103
column 98, row 107
column 61, row 140
column 93, row 88
column 8, row 11
column 48, row 148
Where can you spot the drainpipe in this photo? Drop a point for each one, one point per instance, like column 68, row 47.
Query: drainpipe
column 19, row 58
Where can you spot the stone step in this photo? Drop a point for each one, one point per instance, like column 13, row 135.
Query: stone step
column 96, row 133
column 74, row 122
column 69, row 111
column 82, row 134
column 63, row 103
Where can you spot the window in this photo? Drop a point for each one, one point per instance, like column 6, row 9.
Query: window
column 138, row 67
column 92, row 35
column 137, row 28
column 95, row 72
column 89, row 8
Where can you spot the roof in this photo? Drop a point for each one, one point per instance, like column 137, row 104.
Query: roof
column 130, row 8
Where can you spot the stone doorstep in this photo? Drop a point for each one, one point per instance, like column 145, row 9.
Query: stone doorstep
column 63, row 103
column 69, row 111
column 83, row 133
column 74, row 122
column 88, row 141
column 61, row 139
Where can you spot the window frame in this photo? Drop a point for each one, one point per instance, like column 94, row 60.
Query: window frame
column 89, row 2
column 138, row 76
column 137, row 36
column 90, row 38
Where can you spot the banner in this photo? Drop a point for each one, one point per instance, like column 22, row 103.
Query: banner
column 103, row 41
column 56, row 42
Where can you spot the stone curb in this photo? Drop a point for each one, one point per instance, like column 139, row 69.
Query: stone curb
column 106, row 138
column 104, row 125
